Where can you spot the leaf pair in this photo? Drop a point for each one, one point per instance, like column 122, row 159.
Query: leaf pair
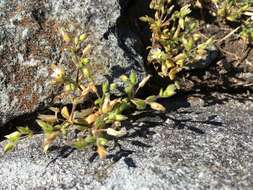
column 14, row 137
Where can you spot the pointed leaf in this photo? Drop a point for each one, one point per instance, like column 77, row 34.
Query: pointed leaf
column 49, row 140
column 100, row 123
column 101, row 152
column 25, row 131
column 48, row 118
column 90, row 140
column 169, row 91
column 133, row 77
column 151, row 99
column 157, row 106
column 124, row 78
column 79, row 144
column 83, row 113
column 47, row 128
column 128, row 90
column 8, row 147
column 113, row 86
column 101, row 141
column 13, row 137
column 91, row 118
column 119, row 117
column 105, row 87
column 65, row 113
column 144, row 81
column 83, row 37
column 139, row 103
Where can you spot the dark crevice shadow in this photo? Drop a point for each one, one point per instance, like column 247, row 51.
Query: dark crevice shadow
column 220, row 95
column 129, row 27
column 23, row 120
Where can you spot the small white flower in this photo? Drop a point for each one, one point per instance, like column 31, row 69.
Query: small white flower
column 157, row 54
column 58, row 73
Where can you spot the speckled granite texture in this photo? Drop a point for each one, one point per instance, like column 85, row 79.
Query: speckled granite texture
column 198, row 144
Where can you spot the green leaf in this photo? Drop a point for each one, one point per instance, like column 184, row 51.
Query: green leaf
column 83, row 62
column 101, row 141
column 124, row 78
column 98, row 101
column 161, row 93
column 185, row 10
column 13, row 137
column 80, row 127
column 83, row 37
column 90, row 140
column 157, row 106
column 146, row 19
column 113, row 86
column 9, row 147
column 83, row 113
column 119, row 117
column 181, row 23
column 169, row 91
column 133, row 77
column 120, row 107
column 81, row 121
column 47, row 128
column 105, row 87
column 65, row 113
column 100, row 123
column 151, row 99
column 69, row 87
column 79, row 144
column 86, row 72
column 128, row 90
column 47, row 118
column 173, row 72
column 25, row 131
column 139, row 103
column 49, row 139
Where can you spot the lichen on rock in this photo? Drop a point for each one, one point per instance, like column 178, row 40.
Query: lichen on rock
column 30, row 42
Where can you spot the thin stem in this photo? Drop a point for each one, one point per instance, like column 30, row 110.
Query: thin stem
column 229, row 34
column 72, row 112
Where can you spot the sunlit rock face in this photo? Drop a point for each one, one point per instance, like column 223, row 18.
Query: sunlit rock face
column 30, row 42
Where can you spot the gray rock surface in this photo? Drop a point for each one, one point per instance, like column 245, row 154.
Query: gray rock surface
column 30, row 42
column 203, row 143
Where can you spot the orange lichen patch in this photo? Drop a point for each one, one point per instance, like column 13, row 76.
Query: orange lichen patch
column 49, row 34
column 27, row 99
column 29, row 104
column 26, row 22
column 24, row 81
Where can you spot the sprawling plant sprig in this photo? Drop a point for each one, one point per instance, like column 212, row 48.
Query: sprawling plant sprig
column 176, row 41
column 237, row 11
column 90, row 125
column 231, row 10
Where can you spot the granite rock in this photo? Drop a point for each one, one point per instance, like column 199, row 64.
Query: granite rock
column 192, row 146
column 30, row 42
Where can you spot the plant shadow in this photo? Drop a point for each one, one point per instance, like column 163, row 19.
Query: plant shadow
column 143, row 125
